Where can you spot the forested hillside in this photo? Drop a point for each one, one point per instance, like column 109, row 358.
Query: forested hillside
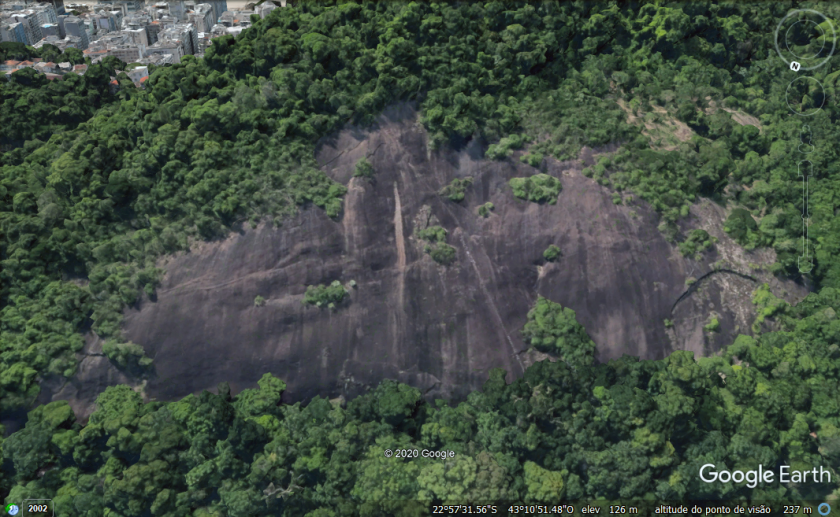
column 96, row 187
column 567, row 430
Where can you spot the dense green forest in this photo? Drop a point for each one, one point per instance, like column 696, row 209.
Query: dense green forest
column 96, row 186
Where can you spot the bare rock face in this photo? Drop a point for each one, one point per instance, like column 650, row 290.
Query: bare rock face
column 725, row 280
column 438, row 328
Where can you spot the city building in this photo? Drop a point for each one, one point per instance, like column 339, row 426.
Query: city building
column 13, row 33
column 264, row 9
column 163, row 34
column 219, row 7
column 20, row 5
column 227, row 18
column 142, row 21
column 127, row 53
column 75, row 27
column 10, row 65
column 107, row 21
column 158, row 58
column 178, row 10
column 137, row 73
column 183, row 34
column 137, row 36
column 175, row 49
column 61, row 31
column 95, row 55
column 202, row 17
column 129, row 6
column 31, row 30
column 51, row 39
column 33, row 18
column 49, row 29
column 80, row 8
column 46, row 67
column 204, row 41
column 108, row 40
column 153, row 32
column 70, row 41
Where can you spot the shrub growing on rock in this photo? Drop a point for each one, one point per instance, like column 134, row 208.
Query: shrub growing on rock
column 437, row 248
column 552, row 253
column 363, row 169
column 325, row 295
column 553, row 329
column 485, row 209
column 696, row 243
column 456, row 190
column 539, row 188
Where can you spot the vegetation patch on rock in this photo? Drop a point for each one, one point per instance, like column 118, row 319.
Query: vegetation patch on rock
column 456, row 189
column 552, row 253
column 325, row 295
column 436, row 246
column 539, row 188
column 553, row 329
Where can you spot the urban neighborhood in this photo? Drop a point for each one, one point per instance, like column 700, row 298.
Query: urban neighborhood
column 137, row 33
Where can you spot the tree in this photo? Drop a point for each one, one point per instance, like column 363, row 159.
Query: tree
column 553, row 328
column 74, row 56
column 741, row 226
column 255, row 403
column 395, row 402
column 34, row 448
column 542, row 485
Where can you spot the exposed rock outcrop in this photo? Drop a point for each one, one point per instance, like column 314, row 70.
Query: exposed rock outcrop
column 439, row 328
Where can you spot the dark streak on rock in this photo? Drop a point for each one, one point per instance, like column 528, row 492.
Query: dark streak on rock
column 693, row 287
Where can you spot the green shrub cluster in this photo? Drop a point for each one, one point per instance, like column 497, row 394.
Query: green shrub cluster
column 436, row 246
column 552, row 253
column 553, row 329
column 741, row 226
column 363, row 169
column 442, row 253
column 456, row 189
column 533, row 159
column 486, row 209
column 713, row 325
column 126, row 355
column 696, row 243
column 325, row 295
column 505, row 147
column 539, row 188
column 432, row 234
